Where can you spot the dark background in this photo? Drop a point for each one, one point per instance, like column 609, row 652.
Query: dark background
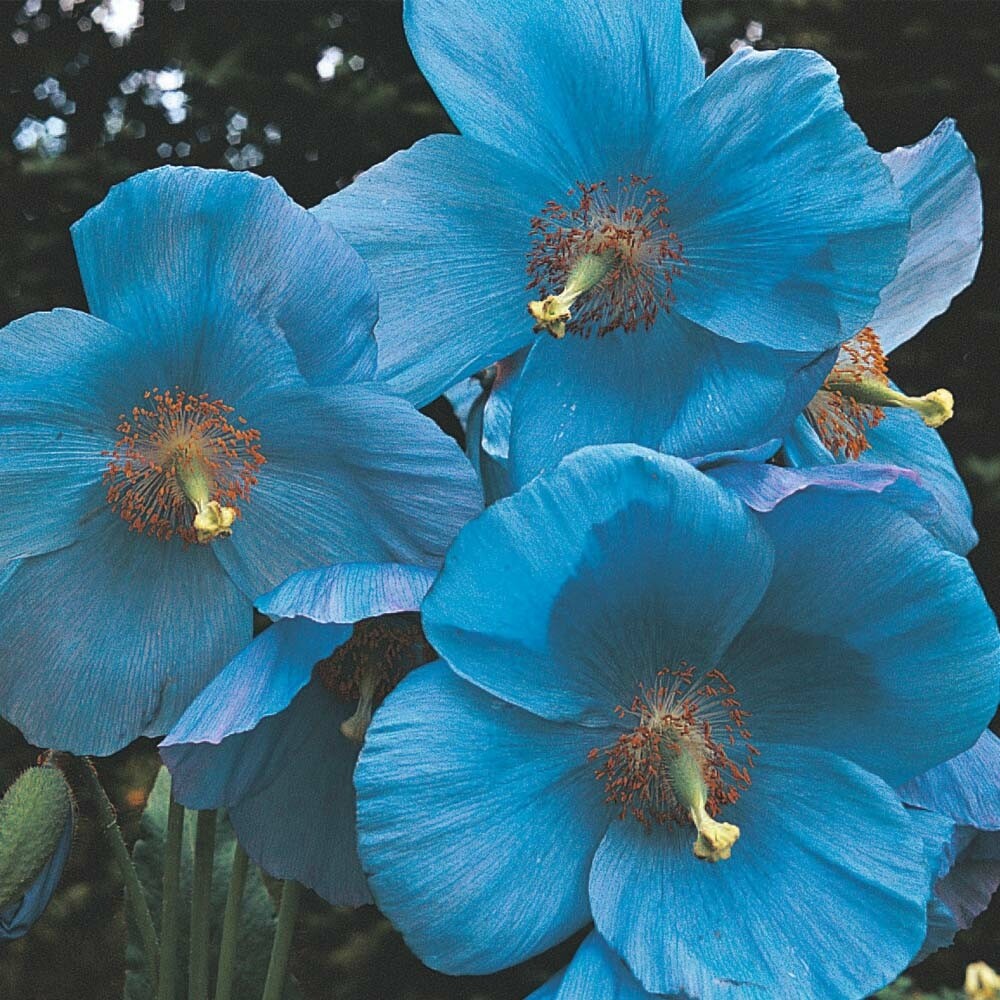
column 252, row 97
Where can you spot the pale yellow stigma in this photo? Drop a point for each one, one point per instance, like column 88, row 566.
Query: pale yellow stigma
column 715, row 840
column 357, row 725
column 214, row 521
column 211, row 519
column 981, row 982
column 552, row 313
column 935, row 408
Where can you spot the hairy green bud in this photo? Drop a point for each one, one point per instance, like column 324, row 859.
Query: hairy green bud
column 34, row 812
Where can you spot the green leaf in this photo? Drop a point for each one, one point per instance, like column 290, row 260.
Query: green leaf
column 258, row 915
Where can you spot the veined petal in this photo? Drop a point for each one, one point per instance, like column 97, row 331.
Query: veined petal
column 597, row 973
column 445, row 228
column 790, row 223
column 467, row 799
column 301, row 824
column 592, row 578
column 675, row 388
column 865, row 614
column 180, row 249
column 353, row 474
column 938, row 181
column 965, row 788
column 902, row 439
column 349, row 592
column 826, row 852
column 112, row 636
column 539, row 82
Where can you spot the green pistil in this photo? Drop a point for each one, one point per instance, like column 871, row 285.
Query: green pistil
column 553, row 312
column 934, row 408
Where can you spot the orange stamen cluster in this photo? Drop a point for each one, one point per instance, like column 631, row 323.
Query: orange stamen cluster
column 675, row 717
column 631, row 230
column 840, row 420
column 386, row 648
column 174, row 435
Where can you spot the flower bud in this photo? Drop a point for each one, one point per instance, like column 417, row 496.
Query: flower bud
column 34, row 813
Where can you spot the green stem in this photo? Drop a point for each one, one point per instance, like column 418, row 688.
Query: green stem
column 231, row 926
column 134, row 896
column 201, row 899
column 278, row 967
column 167, row 989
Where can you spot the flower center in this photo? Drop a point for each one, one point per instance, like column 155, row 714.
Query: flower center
column 855, row 393
column 379, row 654
column 181, row 466
column 680, row 760
column 615, row 248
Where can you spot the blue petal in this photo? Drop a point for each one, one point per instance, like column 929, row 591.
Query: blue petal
column 16, row 920
column 349, row 592
column 258, row 683
column 539, row 81
column 826, row 853
column 264, row 742
column 937, row 178
column 112, row 636
column 967, row 889
column 177, row 250
column 489, row 810
column 352, row 475
column 902, row 439
column 592, row 578
column 763, row 486
column 674, row 388
column 965, row 788
column 790, row 223
column 301, row 824
column 444, row 227
column 597, row 973
column 865, row 618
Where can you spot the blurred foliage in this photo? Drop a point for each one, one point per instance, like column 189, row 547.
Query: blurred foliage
column 312, row 93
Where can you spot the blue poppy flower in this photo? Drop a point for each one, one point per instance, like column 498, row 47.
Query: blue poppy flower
column 218, row 390
column 938, row 182
column 682, row 720
column 706, row 239
column 275, row 737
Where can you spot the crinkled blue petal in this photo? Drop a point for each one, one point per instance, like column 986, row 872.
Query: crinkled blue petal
column 353, row 474
column 111, row 637
column 445, row 227
column 865, row 614
column 592, row 578
column 760, row 453
column 903, row 439
column 826, row 853
column 349, row 592
column 790, row 223
column 265, row 742
column 763, row 486
column 178, row 250
column 967, row 889
column 938, row 182
column 965, row 788
column 490, row 811
column 544, row 80
column 17, row 918
column 675, row 388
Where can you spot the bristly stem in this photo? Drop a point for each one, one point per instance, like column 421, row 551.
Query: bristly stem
column 201, row 900
column 277, row 970
column 169, row 928
column 231, row 926
column 134, row 896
